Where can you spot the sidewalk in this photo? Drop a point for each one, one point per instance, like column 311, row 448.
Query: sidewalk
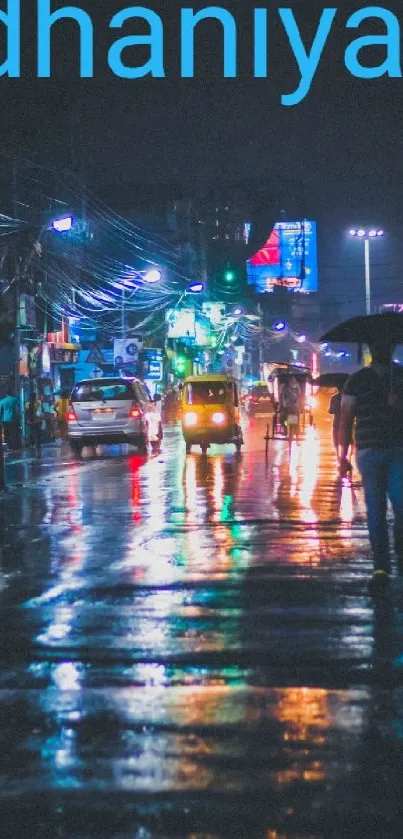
column 25, row 467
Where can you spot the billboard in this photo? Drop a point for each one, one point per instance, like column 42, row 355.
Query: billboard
column 288, row 259
column 23, row 360
column 46, row 365
column 27, row 311
column 202, row 332
column 181, row 323
column 392, row 307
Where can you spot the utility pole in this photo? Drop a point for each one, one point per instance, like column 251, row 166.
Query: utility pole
column 17, row 306
column 203, row 253
column 78, row 162
column 123, row 315
column 261, row 351
column 17, row 334
column 2, row 461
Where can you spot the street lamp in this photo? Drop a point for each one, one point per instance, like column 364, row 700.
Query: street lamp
column 195, row 288
column 150, row 277
column 62, row 225
column 154, row 275
column 367, row 234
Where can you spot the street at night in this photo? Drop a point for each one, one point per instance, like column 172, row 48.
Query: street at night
column 201, row 420
column 189, row 649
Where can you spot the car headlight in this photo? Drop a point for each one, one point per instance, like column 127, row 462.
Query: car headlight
column 218, row 418
column 190, row 419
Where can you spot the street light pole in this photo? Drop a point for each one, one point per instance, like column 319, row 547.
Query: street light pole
column 367, row 236
column 150, row 277
column 367, row 278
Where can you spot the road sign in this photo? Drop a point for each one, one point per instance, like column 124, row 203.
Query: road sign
column 126, row 351
column 153, row 371
column 95, row 357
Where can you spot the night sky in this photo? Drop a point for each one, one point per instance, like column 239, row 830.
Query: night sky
column 343, row 141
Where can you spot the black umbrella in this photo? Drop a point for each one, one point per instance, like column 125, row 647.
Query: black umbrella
column 367, row 329
column 385, row 328
column 331, row 380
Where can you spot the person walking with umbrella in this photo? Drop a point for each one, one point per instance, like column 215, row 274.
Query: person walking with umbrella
column 373, row 399
column 378, row 413
column 337, row 380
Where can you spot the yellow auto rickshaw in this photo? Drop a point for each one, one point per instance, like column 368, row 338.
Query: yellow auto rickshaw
column 210, row 411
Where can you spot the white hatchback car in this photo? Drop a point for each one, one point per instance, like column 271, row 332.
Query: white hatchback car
column 113, row 411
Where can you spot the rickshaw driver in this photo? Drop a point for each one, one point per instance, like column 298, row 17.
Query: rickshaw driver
column 290, row 400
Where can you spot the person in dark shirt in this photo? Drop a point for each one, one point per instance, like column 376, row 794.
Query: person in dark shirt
column 374, row 398
column 35, row 417
column 9, row 417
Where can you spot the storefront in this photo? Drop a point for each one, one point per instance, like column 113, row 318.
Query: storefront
column 63, row 356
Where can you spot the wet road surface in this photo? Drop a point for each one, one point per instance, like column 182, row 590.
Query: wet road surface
column 188, row 648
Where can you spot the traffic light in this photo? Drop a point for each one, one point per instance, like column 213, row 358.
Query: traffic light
column 229, row 275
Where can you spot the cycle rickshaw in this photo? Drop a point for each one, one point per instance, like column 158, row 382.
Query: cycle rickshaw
column 292, row 425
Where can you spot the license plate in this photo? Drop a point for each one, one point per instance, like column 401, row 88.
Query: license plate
column 292, row 419
column 102, row 412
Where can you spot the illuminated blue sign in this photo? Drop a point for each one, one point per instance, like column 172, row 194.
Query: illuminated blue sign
column 152, row 364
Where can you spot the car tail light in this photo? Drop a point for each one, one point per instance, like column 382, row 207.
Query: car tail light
column 135, row 413
column 71, row 415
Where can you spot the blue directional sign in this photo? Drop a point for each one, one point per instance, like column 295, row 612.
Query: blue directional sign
column 152, row 364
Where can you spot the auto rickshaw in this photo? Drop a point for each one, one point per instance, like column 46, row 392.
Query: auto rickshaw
column 277, row 378
column 210, row 411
